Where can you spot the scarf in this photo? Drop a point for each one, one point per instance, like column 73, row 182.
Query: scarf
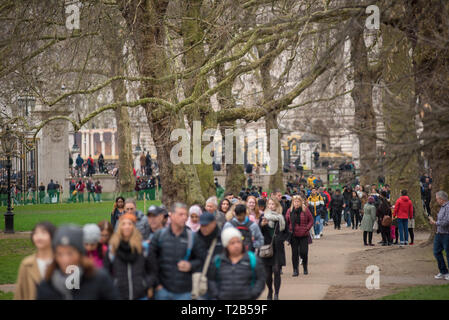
column 296, row 215
column 58, row 280
column 272, row 217
column 124, row 252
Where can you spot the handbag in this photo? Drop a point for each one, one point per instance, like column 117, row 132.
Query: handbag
column 199, row 279
column 266, row 251
column 386, row 221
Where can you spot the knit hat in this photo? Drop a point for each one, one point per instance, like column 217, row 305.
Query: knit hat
column 91, row 233
column 69, row 235
column 129, row 216
column 229, row 233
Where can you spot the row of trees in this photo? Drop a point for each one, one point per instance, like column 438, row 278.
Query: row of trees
column 181, row 61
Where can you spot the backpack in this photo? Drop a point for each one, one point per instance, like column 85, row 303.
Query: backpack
column 252, row 263
column 246, row 233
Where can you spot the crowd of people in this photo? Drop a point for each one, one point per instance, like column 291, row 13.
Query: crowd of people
column 228, row 249
column 78, row 188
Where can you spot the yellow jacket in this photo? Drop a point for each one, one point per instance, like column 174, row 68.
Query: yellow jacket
column 314, row 202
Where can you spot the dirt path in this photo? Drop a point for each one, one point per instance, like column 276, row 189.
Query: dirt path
column 337, row 264
column 16, row 235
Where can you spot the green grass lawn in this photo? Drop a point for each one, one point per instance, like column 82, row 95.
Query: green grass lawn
column 6, row 295
column 79, row 213
column 11, row 254
column 421, row 293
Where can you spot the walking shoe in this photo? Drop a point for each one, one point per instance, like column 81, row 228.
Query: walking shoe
column 446, row 277
column 441, row 276
column 411, row 244
column 270, row 295
column 321, row 234
column 276, row 296
column 307, row 272
column 372, row 245
column 295, row 273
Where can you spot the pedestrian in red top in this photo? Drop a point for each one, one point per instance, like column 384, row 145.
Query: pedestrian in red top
column 299, row 221
column 403, row 210
column 80, row 190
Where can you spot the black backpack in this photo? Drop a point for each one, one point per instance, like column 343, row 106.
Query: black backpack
column 246, row 233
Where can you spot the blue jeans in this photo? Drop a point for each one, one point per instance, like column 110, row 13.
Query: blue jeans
column 321, row 225
column 317, row 227
column 347, row 215
column 440, row 243
column 326, row 217
column 164, row 294
column 403, row 230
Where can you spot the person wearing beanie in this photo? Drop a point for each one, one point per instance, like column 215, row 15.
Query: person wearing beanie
column 71, row 266
column 32, row 268
column 195, row 213
column 369, row 217
column 131, row 267
column 91, row 239
column 236, row 274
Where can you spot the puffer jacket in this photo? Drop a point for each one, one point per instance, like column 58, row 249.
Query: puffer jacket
column 304, row 227
column 355, row 204
column 132, row 278
column 316, row 204
column 96, row 287
column 403, row 208
column 337, row 203
column 233, row 282
column 168, row 250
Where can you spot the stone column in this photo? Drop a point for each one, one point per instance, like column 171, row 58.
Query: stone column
column 102, row 143
column 53, row 149
column 113, row 143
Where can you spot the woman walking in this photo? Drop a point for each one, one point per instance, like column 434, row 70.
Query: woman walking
column 106, row 232
column 369, row 217
column 235, row 274
column 32, row 268
column 354, row 206
column 299, row 221
column 117, row 211
column 224, row 206
column 91, row 239
column 94, row 284
column 272, row 226
column 130, row 268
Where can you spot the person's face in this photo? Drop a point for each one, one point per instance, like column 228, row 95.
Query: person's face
column 251, row 204
column 155, row 222
column 130, row 208
column 208, row 229
column 235, row 247
column 354, row 194
column 427, row 180
column 279, row 196
column 230, row 197
column 104, row 236
column 440, row 201
column 225, row 206
column 271, row 205
column 179, row 217
column 90, row 246
column 126, row 228
column 314, row 191
column 41, row 239
column 210, row 207
column 194, row 218
column 296, row 203
column 120, row 203
column 66, row 256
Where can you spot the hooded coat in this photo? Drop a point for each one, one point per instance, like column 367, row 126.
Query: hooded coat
column 403, row 208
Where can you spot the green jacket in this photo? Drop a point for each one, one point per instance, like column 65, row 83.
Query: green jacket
column 369, row 217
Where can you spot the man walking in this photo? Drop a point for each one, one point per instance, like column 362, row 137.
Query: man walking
column 178, row 254
column 80, row 190
column 90, row 190
column 441, row 241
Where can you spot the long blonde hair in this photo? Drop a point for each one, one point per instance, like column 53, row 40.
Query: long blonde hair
column 278, row 209
column 231, row 211
column 135, row 241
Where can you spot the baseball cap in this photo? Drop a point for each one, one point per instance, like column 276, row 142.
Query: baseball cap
column 206, row 218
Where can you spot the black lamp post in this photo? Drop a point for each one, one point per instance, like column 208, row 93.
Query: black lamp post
column 8, row 145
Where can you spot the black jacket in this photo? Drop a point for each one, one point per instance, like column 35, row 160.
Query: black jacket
column 207, row 241
column 355, row 204
column 168, row 250
column 97, row 287
column 278, row 244
column 233, row 282
column 133, row 274
column 337, row 203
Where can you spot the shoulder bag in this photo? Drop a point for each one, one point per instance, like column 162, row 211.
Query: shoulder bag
column 266, row 251
column 199, row 279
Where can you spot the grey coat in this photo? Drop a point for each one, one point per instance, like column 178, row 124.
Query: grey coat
column 369, row 217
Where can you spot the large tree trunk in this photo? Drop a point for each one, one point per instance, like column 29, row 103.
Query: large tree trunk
column 428, row 25
column 364, row 118
column 145, row 22
column 399, row 117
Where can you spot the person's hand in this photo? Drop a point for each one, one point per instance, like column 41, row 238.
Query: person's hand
column 264, row 222
column 304, row 207
column 150, row 293
column 344, row 205
column 431, row 220
column 184, row 266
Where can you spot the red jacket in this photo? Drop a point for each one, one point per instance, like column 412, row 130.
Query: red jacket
column 328, row 199
column 403, row 208
column 303, row 229
column 80, row 187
